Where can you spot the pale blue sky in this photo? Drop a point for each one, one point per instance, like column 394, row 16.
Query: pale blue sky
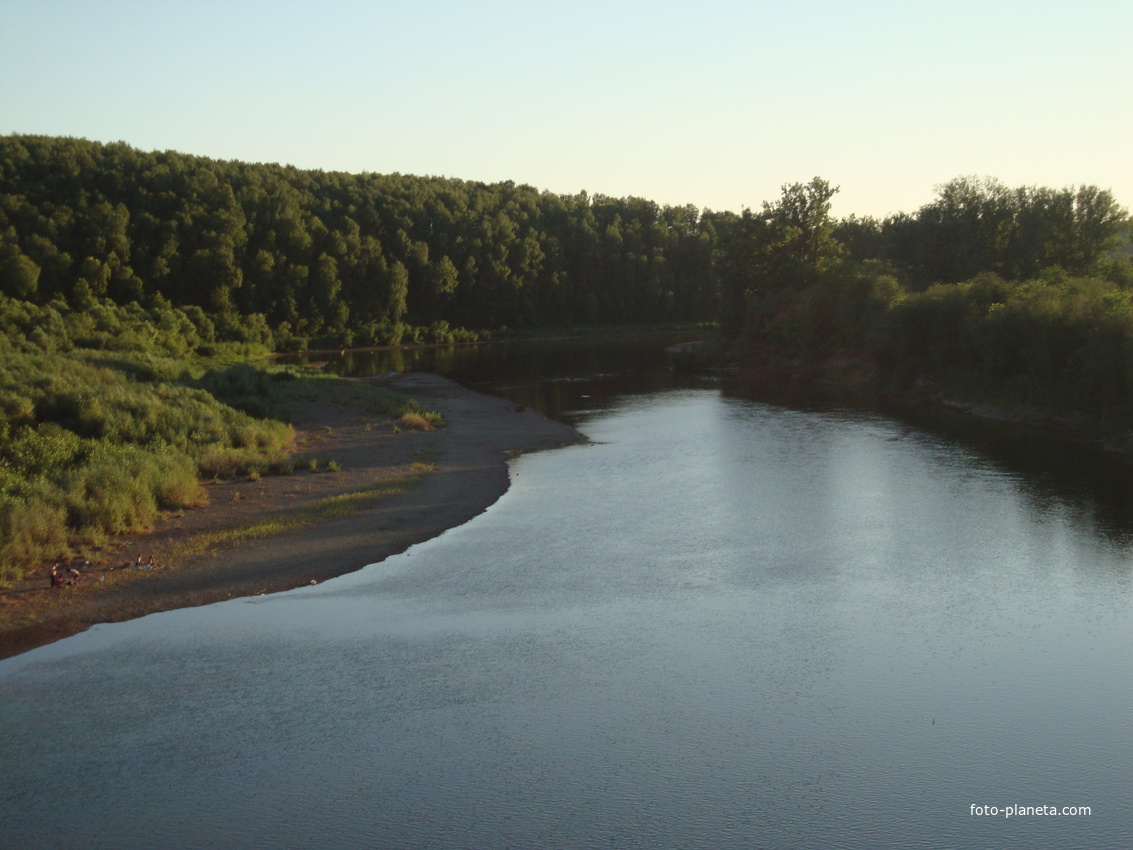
column 712, row 103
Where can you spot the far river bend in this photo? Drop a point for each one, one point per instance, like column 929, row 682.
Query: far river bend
column 724, row 623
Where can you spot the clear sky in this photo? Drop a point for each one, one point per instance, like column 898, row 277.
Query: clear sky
column 713, row 103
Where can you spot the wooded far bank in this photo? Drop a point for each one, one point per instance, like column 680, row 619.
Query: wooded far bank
column 295, row 258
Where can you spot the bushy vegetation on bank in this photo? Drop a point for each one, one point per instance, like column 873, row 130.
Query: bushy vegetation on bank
column 1054, row 342
column 111, row 414
column 1050, row 341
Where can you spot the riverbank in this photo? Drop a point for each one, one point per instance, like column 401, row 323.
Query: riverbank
column 858, row 381
column 388, row 488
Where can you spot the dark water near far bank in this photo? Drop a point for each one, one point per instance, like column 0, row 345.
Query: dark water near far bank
column 561, row 378
column 724, row 623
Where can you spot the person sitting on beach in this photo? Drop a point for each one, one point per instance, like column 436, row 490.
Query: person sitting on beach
column 152, row 563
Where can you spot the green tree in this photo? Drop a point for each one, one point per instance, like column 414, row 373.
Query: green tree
column 213, row 277
column 800, row 224
column 19, row 276
column 397, row 289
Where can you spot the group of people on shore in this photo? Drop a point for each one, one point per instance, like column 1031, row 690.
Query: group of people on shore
column 59, row 579
column 71, row 576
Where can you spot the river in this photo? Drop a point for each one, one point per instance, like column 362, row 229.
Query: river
column 721, row 623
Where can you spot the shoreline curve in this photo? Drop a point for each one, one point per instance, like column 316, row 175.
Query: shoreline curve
column 470, row 455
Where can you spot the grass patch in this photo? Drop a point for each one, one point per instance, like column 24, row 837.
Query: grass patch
column 316, row 386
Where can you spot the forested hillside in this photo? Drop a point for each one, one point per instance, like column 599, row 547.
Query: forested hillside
column 341, row 258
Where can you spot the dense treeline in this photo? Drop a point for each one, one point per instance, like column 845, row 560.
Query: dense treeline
column 283, row 256
column 979, row 225
column 337, row 257
column 1020, row 297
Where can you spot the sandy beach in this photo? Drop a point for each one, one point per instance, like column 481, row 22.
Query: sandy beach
column 466, row 463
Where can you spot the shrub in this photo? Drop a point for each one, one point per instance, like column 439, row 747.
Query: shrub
column 248, row 389
column 415, row 421
column 31, row 530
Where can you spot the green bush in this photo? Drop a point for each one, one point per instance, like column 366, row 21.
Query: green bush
column 102, row 424
column 110, row 415
column 248, row 389
column 31, row 530
column 1055, row 342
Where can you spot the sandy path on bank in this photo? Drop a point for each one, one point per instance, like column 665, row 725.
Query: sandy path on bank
column 470, row 455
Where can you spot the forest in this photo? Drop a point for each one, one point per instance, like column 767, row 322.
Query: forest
column 336, row 259
column 141, row 291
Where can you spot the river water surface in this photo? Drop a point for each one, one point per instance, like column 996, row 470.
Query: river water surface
column 723, row 623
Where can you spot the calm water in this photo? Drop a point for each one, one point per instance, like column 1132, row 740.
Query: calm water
column 722, row 624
